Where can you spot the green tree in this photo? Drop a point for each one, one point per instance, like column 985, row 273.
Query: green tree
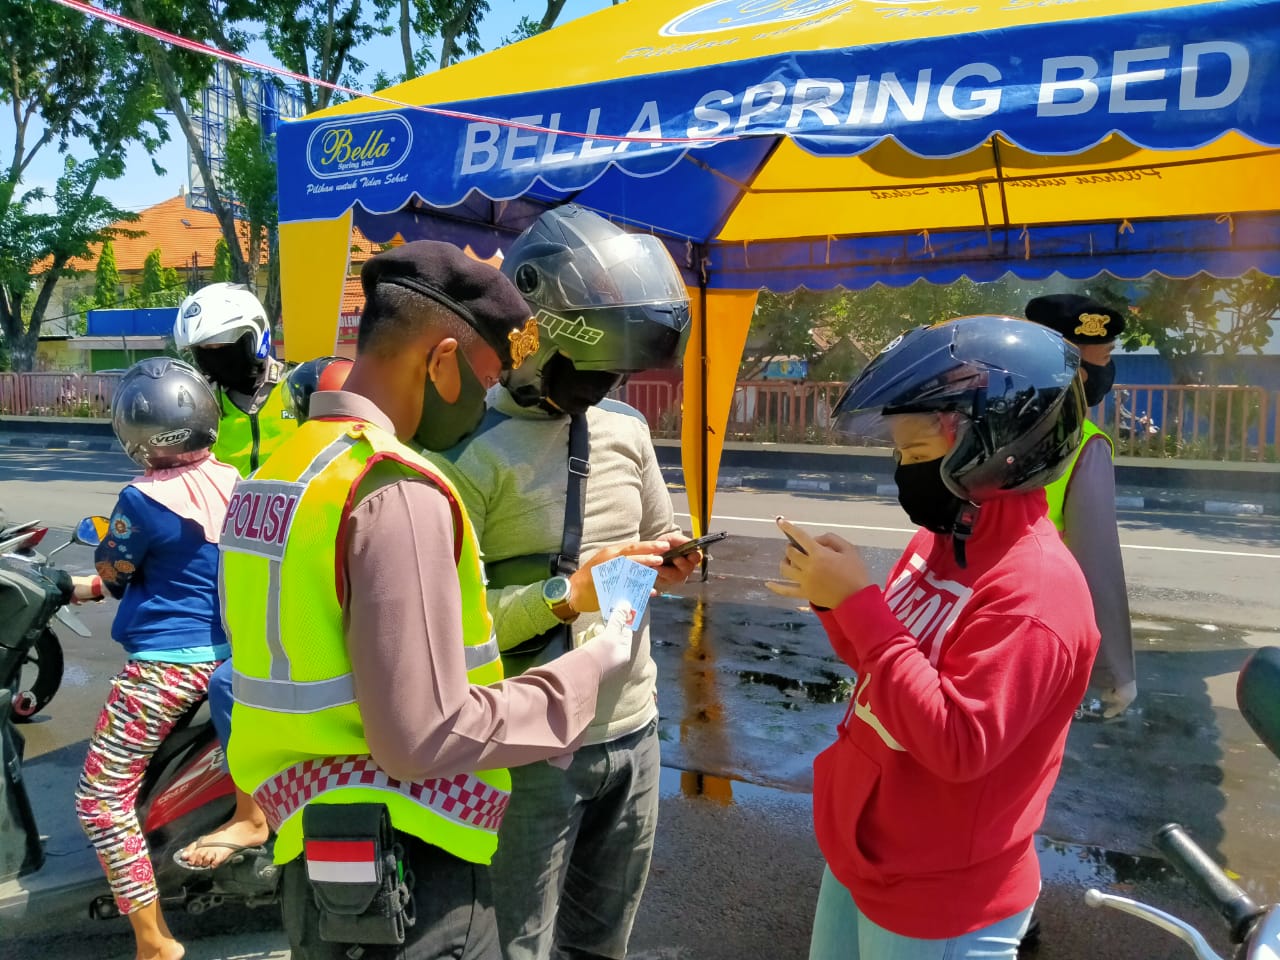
column 249, row 173
column 78, row 310
column 174, row 290
column 221, row 262
column 1186, row 319
column 182, row 74
column 106, row 289
column 160, row 286
column 317, row 38
column 152, row 283
column 441, row 32
column 807, row 324
column 73, row 79
column 784, row 325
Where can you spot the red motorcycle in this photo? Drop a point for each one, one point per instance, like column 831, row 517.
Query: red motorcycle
column 186, row 794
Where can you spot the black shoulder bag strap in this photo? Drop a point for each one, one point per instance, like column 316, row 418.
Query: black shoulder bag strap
column 575, row 501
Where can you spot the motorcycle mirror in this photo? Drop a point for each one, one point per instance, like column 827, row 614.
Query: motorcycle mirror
column 75, row 623
column 91, row 530
column 1258, row 695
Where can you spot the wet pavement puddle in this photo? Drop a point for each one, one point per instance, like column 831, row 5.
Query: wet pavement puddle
column 750, row 692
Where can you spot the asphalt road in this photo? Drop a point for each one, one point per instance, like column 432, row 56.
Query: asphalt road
column 750, row 691
column 1196, row 567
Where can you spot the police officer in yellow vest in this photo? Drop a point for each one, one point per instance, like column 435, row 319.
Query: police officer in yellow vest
column 371, row 721
column 1082, row 503
column 226, row 329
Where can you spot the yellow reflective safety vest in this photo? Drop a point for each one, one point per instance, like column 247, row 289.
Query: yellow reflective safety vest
column 245, row 440
column 1057, row 491
column 297, row 734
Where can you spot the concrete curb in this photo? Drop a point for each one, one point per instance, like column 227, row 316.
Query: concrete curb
column 59, row 443
column 96, row 437
column 868, row 486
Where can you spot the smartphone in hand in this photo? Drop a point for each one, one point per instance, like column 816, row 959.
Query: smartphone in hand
column 693, row 545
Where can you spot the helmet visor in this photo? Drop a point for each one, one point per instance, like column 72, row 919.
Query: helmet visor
column 912, row 436
column 861, row 428
column 622, row 271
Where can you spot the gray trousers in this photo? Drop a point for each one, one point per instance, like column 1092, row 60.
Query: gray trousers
column 574, row 851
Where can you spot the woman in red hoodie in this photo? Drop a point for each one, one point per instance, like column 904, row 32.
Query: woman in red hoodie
column 970, row 662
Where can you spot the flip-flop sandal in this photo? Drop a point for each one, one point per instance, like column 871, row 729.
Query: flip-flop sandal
column 238, row 852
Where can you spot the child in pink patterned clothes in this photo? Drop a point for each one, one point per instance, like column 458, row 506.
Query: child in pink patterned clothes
column 160, row 559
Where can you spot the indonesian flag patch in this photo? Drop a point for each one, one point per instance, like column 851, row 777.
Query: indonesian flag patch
column 341, row 861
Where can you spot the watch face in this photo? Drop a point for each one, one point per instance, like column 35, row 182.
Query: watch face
column 556, row 589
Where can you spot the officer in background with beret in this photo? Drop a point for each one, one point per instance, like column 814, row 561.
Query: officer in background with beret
column 371, row 720
column 1082, row 502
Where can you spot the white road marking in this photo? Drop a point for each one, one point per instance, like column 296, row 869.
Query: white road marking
column 1126, row 546
column 63, row 471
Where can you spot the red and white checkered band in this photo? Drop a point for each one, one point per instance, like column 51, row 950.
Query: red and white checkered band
column 463, row 799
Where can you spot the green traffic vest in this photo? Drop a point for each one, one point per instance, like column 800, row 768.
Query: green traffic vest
column 245, row 440
column 1057, row 491
column 297, row 736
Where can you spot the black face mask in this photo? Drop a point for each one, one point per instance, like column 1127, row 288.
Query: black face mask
column 444, row 425
column 233, row 367
column 927, row 500
column 572, row 390
column 1099, row 382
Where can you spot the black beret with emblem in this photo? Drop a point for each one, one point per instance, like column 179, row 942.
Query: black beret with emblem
column 1079, row 319
column 480, row 295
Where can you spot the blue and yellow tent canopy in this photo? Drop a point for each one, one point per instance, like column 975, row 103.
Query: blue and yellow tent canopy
column 779, row 143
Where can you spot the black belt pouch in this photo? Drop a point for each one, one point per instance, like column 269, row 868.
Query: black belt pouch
column 356, row 873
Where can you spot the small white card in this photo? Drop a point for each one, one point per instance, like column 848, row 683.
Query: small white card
column 623, row 579
column 606, row 577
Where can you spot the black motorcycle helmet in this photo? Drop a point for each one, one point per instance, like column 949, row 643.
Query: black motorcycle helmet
column 164, row 414
column 606, row 301
column 323, row 373
column 1012, row 383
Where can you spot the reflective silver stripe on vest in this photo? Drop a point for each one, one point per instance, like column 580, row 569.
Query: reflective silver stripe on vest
column 299, row 696
column 293, row 696
column 482, row 654
column 280, row 665
column 464, row 799
column 281, row 669
column 326, row 456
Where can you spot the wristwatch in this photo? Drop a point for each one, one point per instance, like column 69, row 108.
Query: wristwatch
column 556, row 594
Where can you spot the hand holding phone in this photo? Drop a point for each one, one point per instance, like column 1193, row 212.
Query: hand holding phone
column 693, row 545
column 832, row 568
column 786, row 533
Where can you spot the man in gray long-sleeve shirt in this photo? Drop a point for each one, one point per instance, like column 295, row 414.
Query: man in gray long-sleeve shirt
column 574, row 851
column 1082, row 503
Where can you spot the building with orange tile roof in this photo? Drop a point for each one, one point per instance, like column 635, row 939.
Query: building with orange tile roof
column 186, row 240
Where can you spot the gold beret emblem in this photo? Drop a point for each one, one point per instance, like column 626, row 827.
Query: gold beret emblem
column 524, row 343
column 1092, row 325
